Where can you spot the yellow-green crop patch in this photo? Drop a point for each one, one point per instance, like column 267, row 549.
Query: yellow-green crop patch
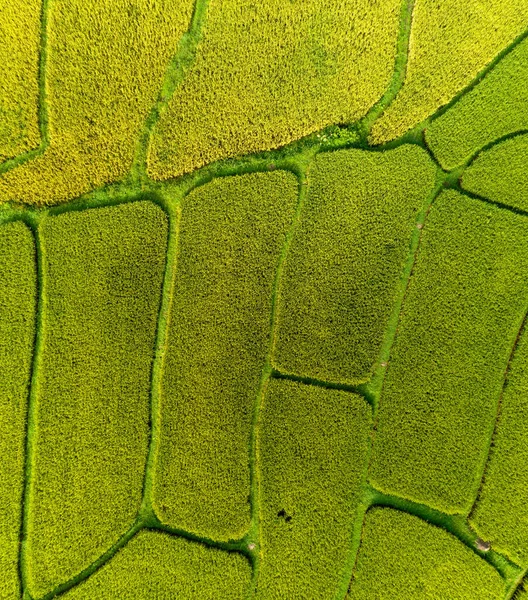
column 501, row 511
column 420, row 562
column 496, row 107
column 231, row 235
column 263, row 299
column 17, row 332
column 501, row 173
column 155, row 565
column 312, row 452
column 105, row 66
column 450, row 43
column 268, row 73
column 343, row 268
column 102, row 273
column 464, row 306
column 20, row 35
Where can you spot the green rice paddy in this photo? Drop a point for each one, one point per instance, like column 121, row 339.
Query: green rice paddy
column 263, row 300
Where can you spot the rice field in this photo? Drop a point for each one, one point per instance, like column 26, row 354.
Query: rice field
column 263, row 300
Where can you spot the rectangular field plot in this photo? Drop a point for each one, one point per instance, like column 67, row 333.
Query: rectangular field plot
column 402, row 556
column 464, row 306
column 154, row 565
column 501, row 513
column 312, row 453
column 17, row 332
column 343, row 270
column 102, row 278
column 232, row 231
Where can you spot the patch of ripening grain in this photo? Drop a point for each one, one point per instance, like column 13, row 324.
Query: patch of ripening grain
column 500, row 173
column 102, row 276
column 312, row 452
column 231, row 235
column 156, row 565
column 501, row 513
column 450, row 43
column 461, row 315
column 342, row 273
column 20, row 34
column 267, row 73
column 105, row 67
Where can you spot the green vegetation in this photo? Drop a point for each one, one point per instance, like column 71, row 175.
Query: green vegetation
column 501, row 512
column 496, row 107
column 19, row 57
column 500, row 174
column 102, row 277
column 267, row 349
column 17, row 332
column 342, row 272
column 267, row 73
column 155, row 565
column 230, row 237
column 464, row 306
column 105, row 66
column 451, row 42
column 402, row 556
column 522, row 592
column 312, row 455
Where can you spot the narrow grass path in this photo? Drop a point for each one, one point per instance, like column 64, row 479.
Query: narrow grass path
column 398, row 76
column 300, row 169
column 175, row 74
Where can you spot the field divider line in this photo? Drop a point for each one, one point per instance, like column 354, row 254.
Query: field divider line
column 398, row 74
column 459, row 170
column 158, row 362
column 496, row 421
column 329, row 385
column 478, row 78
column 455, row 524
column 374, row 386
column 175, row 74
column 515, row 585
column 96, row 565
column 253, row 535
column 238, row 546
column 42, row 110
column 31, row 413
column 513, row 209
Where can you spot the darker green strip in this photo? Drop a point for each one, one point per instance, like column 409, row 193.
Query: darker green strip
column 31, row 413
column 360, row 390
